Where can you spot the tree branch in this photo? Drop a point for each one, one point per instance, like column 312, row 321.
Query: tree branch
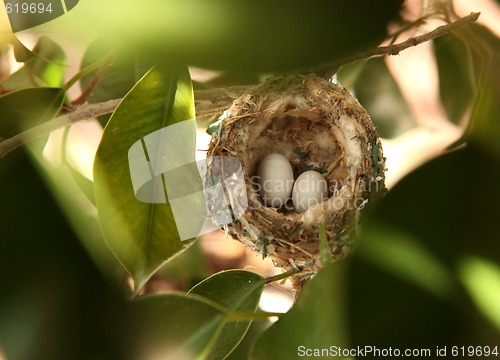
column 330, row 69
column 208, row 102
column 214, row 101
column 84, row 112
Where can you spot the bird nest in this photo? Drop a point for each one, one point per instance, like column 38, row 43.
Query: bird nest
column 317, row 125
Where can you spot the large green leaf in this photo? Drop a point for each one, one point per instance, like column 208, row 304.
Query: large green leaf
column 54, row 303
column 46, row 68
column 257, row 35
column 316, row 321
column 484, row 49
column 22, row 17
column 23, row 109
column 142, row 235
column 236, row 290
column 15, row 117
column 203, row 324
column 176, row 326
column 410, row 276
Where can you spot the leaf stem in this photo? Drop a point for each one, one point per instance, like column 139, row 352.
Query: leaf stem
column 88, row 70
column 280, row 277
column 248, row 316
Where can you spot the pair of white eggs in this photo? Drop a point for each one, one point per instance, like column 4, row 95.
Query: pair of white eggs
column 277, row 184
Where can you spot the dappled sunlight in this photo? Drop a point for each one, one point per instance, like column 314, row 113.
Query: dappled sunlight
column 78, row 146
column 416, row 73
column 490, row 12
column 408, row 151
column 481, row 278
column 52, row 151
column 225, row 253
column 82, row 141
column 202, row 140
column 160, row 353
column 275, row 300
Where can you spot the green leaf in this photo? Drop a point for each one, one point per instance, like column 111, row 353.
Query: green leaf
column 455, row 85
column 187, row 269
column 202, row 324
column 405, row 275
column 15, row 116
column 124, row 71
column 484, row 127
column 380, row 96
column 244, row 348
column 58, row 304
column 258, row 36
column 325, row 251
column 482, row 280
column 400, row 253
column 236, row 290
column 46, row 67
column 84, row 184
column 21, row 52
column 114, row 78
column 23, row 109
column 176, row 326
column 317, row 320
column 143, row 236
column 348, row 74
column 23, row 19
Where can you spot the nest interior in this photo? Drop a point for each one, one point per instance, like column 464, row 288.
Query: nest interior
column 316, row 125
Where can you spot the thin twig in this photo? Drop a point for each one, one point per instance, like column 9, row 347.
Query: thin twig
column 330, row 69
column 84, row 112
column 90, row 88
column 211, row 101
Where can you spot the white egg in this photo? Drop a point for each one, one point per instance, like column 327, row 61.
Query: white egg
column 275, row 179
column 309, row 189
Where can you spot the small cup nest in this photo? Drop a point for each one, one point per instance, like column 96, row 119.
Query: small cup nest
column 318, row 126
